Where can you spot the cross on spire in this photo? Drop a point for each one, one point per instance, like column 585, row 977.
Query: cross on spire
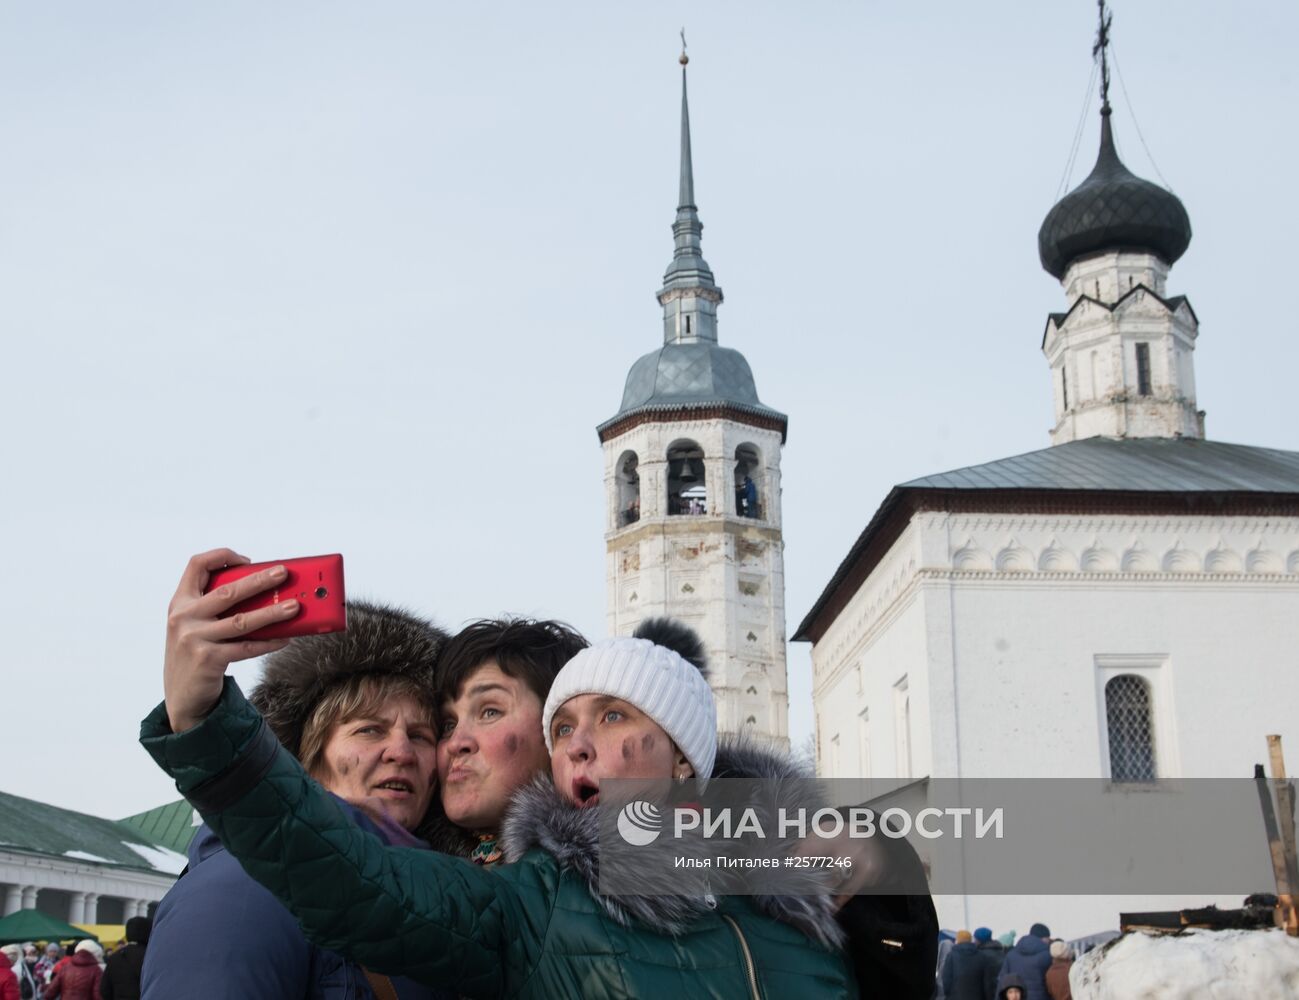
column 1101, row 48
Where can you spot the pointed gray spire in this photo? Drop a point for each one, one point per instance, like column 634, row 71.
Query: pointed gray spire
column 689, row 295
column 687, row 197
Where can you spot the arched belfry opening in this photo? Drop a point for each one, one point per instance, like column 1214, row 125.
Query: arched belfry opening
column 748, row 476
column 687, row 479
column 628, row 479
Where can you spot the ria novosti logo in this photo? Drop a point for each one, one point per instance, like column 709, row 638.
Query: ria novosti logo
column 640, row 823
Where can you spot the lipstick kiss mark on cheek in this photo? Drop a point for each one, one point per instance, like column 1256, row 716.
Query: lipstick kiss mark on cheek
column 628, row 748
column 512, row 744
column 647, row 742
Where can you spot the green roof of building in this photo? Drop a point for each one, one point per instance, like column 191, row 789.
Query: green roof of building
column 35, row 827
column 172, row 825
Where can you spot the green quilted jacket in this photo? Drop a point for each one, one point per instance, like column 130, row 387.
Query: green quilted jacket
column 532, row 928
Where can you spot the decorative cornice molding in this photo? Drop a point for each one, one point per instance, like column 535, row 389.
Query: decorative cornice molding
column 1288, row 580
column 686, row 412
column 1019, row 511
column 667, row 295
column 830, row 662
column 1082, row 550
column 702, row 525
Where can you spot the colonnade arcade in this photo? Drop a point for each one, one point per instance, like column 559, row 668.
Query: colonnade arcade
column 79, row 893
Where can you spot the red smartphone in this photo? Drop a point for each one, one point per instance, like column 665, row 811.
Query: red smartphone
column 316, row 582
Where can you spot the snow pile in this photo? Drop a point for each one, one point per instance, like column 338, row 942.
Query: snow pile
column 1194, row 965
column 160, row 858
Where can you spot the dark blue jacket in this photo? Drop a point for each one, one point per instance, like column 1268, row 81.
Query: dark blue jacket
column 968, row 974
column 217, row 934
column 1029, row 959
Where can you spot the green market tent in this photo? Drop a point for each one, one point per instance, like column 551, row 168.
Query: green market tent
column 32, row 925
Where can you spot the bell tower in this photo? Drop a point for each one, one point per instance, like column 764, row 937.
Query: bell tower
column 1122, row 354
column 692, row 490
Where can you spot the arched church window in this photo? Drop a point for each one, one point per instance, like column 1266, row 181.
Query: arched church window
column 1130, row 725
column 628, row 479
column 687, row 479
column 748, row 472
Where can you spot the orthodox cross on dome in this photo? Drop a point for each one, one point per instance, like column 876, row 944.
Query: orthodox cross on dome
column 1101, row 48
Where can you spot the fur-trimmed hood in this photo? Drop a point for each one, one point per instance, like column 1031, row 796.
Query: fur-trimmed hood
column 379, row 640
column 539, row 817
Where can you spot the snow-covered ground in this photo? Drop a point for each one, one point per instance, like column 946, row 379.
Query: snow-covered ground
column 1195, row 965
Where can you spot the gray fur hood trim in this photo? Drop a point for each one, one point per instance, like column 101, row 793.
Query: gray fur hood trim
column 539, row 817
column 379, row 640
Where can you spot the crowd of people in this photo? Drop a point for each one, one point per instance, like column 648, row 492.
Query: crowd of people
column 85, row 972
column 977, row 966
column 448, row 844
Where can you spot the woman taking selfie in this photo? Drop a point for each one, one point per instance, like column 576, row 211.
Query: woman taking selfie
column 536, row 927
column 357, row 710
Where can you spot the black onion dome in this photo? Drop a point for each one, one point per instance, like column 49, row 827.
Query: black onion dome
column 1113, row 209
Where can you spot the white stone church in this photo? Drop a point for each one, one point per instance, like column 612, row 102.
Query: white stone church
column 1121, row 605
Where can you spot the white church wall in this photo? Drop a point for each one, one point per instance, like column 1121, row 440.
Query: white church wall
column 1040, row 609
column 1011, row 624
column 870, row 676
column 1219, row 643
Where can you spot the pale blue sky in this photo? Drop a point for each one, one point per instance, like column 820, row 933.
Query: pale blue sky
column 302, row 277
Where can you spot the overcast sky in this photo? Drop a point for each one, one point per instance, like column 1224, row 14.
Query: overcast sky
column 363, row 277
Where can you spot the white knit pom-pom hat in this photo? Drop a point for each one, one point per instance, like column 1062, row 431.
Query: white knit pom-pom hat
column 658, row 681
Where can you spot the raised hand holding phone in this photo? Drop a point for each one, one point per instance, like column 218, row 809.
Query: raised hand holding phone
column 315, row 582
column 201, row 644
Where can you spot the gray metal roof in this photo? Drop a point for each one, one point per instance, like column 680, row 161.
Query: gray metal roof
column 1163, row 465
column 1095, row 465
column 676, row 376
column 690, row 371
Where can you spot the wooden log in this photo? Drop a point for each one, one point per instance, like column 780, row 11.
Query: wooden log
column 1280, row 867
column 1285, row 809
